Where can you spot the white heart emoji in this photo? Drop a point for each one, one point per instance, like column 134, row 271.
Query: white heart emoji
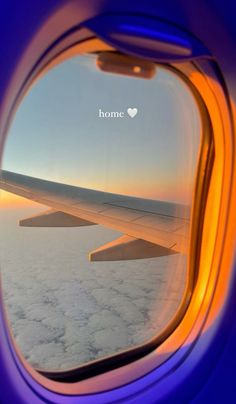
column 132, row 112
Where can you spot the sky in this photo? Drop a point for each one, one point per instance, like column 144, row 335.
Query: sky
column 56, row 133
column 63, row 309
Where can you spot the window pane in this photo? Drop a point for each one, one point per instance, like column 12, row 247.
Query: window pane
column 73, row 127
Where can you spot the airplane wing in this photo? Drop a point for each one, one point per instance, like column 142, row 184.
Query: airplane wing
column 151, row 228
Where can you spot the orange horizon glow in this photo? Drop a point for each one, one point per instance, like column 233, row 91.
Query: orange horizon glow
column 8, row 200
column 177, row 193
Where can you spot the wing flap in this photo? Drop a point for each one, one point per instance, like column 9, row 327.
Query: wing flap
column 53, row 218
column 128, row 248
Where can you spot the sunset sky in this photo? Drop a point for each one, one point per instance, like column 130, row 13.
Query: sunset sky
column 57, row 134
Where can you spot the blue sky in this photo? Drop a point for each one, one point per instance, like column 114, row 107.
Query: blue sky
column 57, row 135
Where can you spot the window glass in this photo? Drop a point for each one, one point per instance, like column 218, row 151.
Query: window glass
column 132, row 136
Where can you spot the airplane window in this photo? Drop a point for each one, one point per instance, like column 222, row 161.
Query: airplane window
column 105, row 268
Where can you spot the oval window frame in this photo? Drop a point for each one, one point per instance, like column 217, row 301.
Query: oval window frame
column 203, row 97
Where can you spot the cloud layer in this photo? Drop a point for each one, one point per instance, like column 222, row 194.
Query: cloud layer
column 65, row 311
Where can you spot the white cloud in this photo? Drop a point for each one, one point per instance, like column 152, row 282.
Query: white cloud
column 66, row 311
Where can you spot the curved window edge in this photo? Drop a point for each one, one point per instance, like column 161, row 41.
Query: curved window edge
column 198, row 211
